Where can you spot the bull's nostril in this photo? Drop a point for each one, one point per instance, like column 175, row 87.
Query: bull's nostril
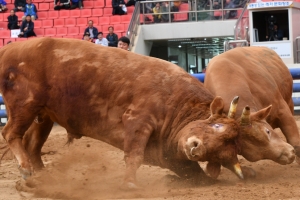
column 195, row 144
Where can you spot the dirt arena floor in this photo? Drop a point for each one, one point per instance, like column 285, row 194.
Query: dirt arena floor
column 89, row 169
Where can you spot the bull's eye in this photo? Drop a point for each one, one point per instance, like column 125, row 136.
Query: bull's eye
column 268, row 131
column 217, row 125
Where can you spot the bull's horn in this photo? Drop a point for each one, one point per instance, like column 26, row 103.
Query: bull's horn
column 245, row 118
column 233, row 105
column 238, row 171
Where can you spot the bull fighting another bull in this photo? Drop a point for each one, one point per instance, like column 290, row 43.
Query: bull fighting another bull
column 153, row 110
column 263, row 82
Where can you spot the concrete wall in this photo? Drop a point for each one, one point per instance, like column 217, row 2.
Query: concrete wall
column 165, row 31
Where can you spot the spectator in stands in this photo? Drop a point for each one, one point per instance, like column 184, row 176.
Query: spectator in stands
column 112, row 37
column 27, row 27
column 12, row 21
column 93, row 31
column 119, row 7
column 123, row 43
column 230, row 14
column 101, row 41
column 165, row 9
column 19, row 5
column 86, row 37
column 77, row 4
column 156, row 10
column 30, row 9
column 2, row 6
column 62, row 4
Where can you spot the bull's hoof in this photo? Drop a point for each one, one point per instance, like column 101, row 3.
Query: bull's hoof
column 297, row 159
column 129, row 186
column 248, row 173
column 25, row 173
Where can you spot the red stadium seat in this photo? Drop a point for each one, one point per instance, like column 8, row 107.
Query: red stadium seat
column 37, row 1
column 130, row 9
column 42, row 15
column 70, row 22
column 51, row 6
column 95, row 20
column 73, row 30
column 81, row 22
column 116, row 19
column 86, row 13
column 47, row 23
column 5, row 15
column 43, row 6
column 59, row 22
column 51, row 2
column 82, row 29
column 5, row 41
column 104, row 20
column 126, row 18
column 3, row 25
column 119, row 28
column 64, row 13
column 97, row 12
column 52, row 14
column 182, row 16
column 1, row 16
column 21, row 39
column 1, row 43
column 107, row 12
column 50, row 32
column 20, row 15
column 37, row 24
column 62, row 31
column 74, row 13
column 5, row 33
column 39, row 31
column 108, row 3
column 9, row 1
column 10, row 6
column 99, row 4
column 88, row 4
column 105, row 28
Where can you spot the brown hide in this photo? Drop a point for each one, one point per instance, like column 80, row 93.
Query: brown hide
column 259, row 77
column 136, row 103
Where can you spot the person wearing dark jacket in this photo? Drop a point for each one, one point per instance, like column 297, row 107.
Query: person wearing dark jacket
column 19, row 5
column 119, row 7
column 91, row 30
column 27, row 28
column 12, row 21
column 112, row 38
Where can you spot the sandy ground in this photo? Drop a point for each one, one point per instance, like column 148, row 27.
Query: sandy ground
column 90, row 169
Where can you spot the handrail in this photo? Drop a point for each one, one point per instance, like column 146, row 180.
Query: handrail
column 227, row 44
column 239, row 20
column 133, row 25
column 297, row 50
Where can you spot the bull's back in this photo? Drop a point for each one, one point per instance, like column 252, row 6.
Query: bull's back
column 89, row 87
column 256, row 74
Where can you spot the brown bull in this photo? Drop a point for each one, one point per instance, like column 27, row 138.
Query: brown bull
column 262, row 81
column 149, row 108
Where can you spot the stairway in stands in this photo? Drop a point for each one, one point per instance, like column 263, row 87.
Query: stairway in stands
column 68, row 23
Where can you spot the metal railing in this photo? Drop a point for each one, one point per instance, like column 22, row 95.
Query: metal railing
column 235, row 43
column 297, row 49
column 133, row 25
column 240, row 27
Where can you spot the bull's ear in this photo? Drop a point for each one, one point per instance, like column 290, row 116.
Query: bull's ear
column 261, row 114
column 217, row 106
column 213, row 169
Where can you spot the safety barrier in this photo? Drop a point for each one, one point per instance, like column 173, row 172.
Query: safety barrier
column 295, row 72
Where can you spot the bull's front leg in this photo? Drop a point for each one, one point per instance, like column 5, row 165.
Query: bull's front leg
column 13, row 133
column 35, row 137
column 136, row 137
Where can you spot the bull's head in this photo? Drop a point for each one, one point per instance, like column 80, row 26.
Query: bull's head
column 257, row 140
column 212, row 140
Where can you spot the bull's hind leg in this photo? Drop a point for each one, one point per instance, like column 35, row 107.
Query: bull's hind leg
column 137, row 133
column 13, row 133
column 35, row 137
